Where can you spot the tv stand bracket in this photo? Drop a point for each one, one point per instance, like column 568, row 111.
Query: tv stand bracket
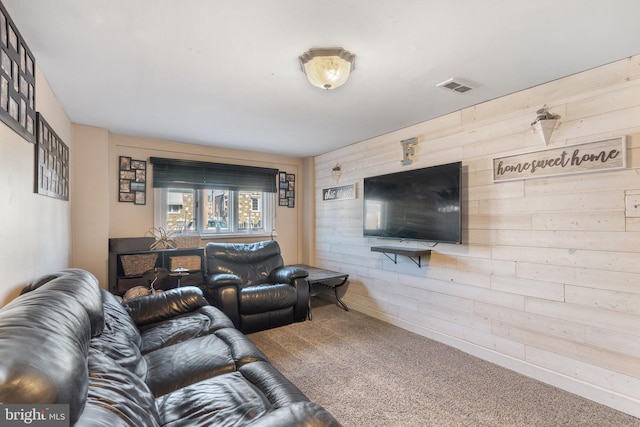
column 414, row 255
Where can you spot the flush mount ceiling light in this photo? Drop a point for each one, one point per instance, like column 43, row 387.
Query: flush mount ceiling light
column 327, row 68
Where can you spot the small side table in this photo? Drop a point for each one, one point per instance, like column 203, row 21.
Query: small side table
column 179, row 273
column 321, row 281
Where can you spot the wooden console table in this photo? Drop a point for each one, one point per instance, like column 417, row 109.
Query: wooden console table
column 120, row 280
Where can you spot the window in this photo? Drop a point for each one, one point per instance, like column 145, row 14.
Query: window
column 213, row 198
column 211, row 212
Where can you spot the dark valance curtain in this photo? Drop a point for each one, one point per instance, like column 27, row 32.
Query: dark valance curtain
column 176, row 173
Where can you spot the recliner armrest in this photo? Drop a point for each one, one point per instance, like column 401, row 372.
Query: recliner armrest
column 222, row 291
column 221, row 280
column 288, row 274
column 164, row 305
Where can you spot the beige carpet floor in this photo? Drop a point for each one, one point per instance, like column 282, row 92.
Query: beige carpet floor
column 369, row 373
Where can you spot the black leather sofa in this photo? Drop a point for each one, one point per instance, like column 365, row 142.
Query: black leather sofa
column 251, row 285
column 168, row 359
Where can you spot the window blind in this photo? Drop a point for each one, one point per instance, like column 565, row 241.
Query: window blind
column 176, row 173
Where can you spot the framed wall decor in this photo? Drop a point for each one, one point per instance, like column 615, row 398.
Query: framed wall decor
column 132, row 181
column 287, row 189
column 52, row 162
column 17, row 80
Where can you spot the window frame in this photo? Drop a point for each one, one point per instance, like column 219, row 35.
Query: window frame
column 267, row 202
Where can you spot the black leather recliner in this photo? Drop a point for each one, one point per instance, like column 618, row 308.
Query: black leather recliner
column 251, row 285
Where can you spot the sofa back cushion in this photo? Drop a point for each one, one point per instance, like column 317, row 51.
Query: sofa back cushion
column 116, row 397
column 202, row 321
column 120, row 338
column 79, row 284
column 165, row 305
column 44, row 342
column 252, row 262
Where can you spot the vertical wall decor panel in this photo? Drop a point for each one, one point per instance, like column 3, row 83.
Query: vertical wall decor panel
column 547, row 280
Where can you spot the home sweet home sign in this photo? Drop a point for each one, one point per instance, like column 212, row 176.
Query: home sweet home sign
column 591, row 157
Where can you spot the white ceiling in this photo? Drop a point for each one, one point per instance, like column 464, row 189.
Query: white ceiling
column 225, row 73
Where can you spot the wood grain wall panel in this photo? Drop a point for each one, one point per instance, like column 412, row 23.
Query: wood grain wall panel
column 604, row 123
column 546, row 273
column 437, row 300
column 580, row 221
column 614, row 241
column 500, row 221
column 605, row 338
column 486, row 266
column 547, row 280
column 624, row 302
column 507, row 190
column 598, row 317
column 463, row 277
column 583, row 183
column 455, row 317
column 528, row 287
column 621, row 281
column 614, row 261
column 363, row 301
column 401, row 302
column 590, row 373
column 468, row 334
column 477, row 236
column 578, row 351
column 612, row 98
column 595, row 201
column 550, row 326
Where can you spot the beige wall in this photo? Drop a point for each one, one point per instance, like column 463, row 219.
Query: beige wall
column 90, row 207
column 98, row 215
column 547, row 281
column 35, row 230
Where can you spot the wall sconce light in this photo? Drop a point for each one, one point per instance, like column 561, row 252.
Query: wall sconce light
column 336, row 171
column 408, row 150
column 544, row 124
column 327, row 68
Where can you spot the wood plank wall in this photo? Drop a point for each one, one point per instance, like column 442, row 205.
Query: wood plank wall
column 547, row 281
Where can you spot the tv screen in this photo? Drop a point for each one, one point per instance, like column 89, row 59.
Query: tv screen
column 419, row 204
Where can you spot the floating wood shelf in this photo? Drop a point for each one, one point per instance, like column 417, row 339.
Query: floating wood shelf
column 414, row 255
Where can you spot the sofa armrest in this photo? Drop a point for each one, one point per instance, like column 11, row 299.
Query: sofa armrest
column 164, row 305
column 287, row 274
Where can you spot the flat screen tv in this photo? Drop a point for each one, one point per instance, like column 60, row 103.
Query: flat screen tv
column 419, row 204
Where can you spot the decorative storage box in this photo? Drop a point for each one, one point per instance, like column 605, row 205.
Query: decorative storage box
column 190, row 262
column 187, row 241
column 134, row 265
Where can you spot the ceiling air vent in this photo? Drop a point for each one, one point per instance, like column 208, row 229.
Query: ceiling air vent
column 455, row 85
